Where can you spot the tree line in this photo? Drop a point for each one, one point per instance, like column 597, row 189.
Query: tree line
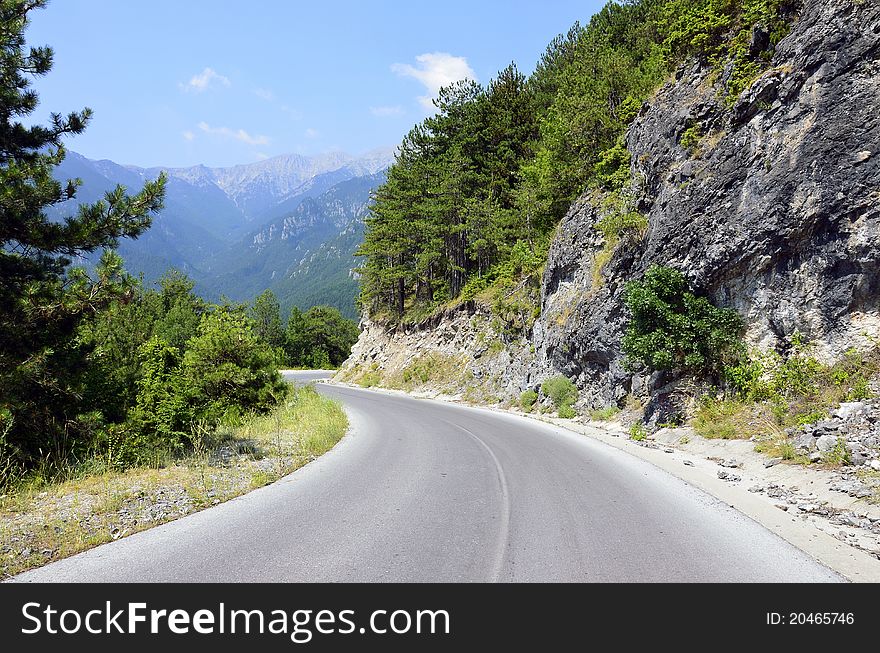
column 95, row 366
column 478, row 187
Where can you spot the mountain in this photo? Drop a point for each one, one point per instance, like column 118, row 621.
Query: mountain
column 291, row 223
column 306, row 256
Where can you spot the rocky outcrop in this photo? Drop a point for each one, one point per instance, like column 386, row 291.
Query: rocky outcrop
column 775, row 212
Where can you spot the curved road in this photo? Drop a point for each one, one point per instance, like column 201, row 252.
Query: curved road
column 426, row 491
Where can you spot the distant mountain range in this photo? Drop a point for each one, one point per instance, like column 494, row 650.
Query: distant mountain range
column 290, row 223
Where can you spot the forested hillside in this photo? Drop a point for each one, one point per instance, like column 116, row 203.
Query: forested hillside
column 477, row 190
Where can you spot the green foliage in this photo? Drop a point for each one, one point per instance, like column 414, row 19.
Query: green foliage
column 563, row 393
column 161, row 417
column 796, row 388
column 527, row 400
column 42, row 301
column 439, row 370
column 605, row 414
column 671, row 328
column 612, row 168
column 320, row 338
column 228, row 371
column 839, row 455
column 721, row 419
column 566, row 411
column 691, row 137
column 266, row 314
column 620, row 223
column 768, row 392
column 638, row 432
column 501, row 164
column 370, row 378
column 112, row 338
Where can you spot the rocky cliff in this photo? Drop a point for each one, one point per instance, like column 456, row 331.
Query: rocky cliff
column 771, row 205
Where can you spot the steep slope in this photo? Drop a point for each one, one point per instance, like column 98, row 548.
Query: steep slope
column 305, row 257
column 772, row 211
column 196, row 220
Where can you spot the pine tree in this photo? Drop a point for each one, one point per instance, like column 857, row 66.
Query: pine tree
column 266, row 313
column 41, row 300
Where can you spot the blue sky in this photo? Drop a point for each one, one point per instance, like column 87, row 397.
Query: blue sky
column 220, row 82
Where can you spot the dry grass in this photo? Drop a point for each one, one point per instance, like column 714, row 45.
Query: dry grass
column 433, row 370
column 871, row 478
column 39, row 525
column 730, row 419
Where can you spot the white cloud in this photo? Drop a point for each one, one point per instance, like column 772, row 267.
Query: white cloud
column 188, row 135
column 386, row 112
column 312, row 133
column 264, row 94
column 435, row 70
column 237, row 134
column 204, row 80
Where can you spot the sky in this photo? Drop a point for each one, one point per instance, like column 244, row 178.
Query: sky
column 222, row 82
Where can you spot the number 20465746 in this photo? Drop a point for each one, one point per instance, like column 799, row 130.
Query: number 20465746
column 810, row 618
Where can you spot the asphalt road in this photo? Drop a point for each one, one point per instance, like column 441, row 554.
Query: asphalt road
column 426, row 491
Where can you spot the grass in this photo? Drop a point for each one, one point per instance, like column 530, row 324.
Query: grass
column 366, row 377
column 527, row 400
column 435, row 370
column 778, row 446
column 40, row 523
column 729, row 419
column 604, row 414
column 566, row 411
column 778, row 394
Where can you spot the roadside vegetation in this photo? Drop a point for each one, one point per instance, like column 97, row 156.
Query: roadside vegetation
column 753, row 394
column 42, row 521
column 563, row 393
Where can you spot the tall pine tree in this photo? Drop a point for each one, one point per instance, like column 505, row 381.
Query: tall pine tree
column 41, row 300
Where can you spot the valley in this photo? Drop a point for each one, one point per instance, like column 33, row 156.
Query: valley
column 290, row 224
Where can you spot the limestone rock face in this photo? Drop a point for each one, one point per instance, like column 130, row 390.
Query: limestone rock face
column 776, row 213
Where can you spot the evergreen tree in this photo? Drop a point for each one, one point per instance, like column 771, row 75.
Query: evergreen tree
column 319, row 338
column 41, row 301
column 266, row 314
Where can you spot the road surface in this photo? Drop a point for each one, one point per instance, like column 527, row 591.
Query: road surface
column 427, row 491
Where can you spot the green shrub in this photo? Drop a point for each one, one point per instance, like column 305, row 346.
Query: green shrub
column 618, row 224
column 567, row 412
column 638, row 432
column 671, row 328
column 691, row 137
column 228, row 371
column 527, row 400
column 604, row 414
column 162, row 415
column 837, row 456
column 561, row 391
